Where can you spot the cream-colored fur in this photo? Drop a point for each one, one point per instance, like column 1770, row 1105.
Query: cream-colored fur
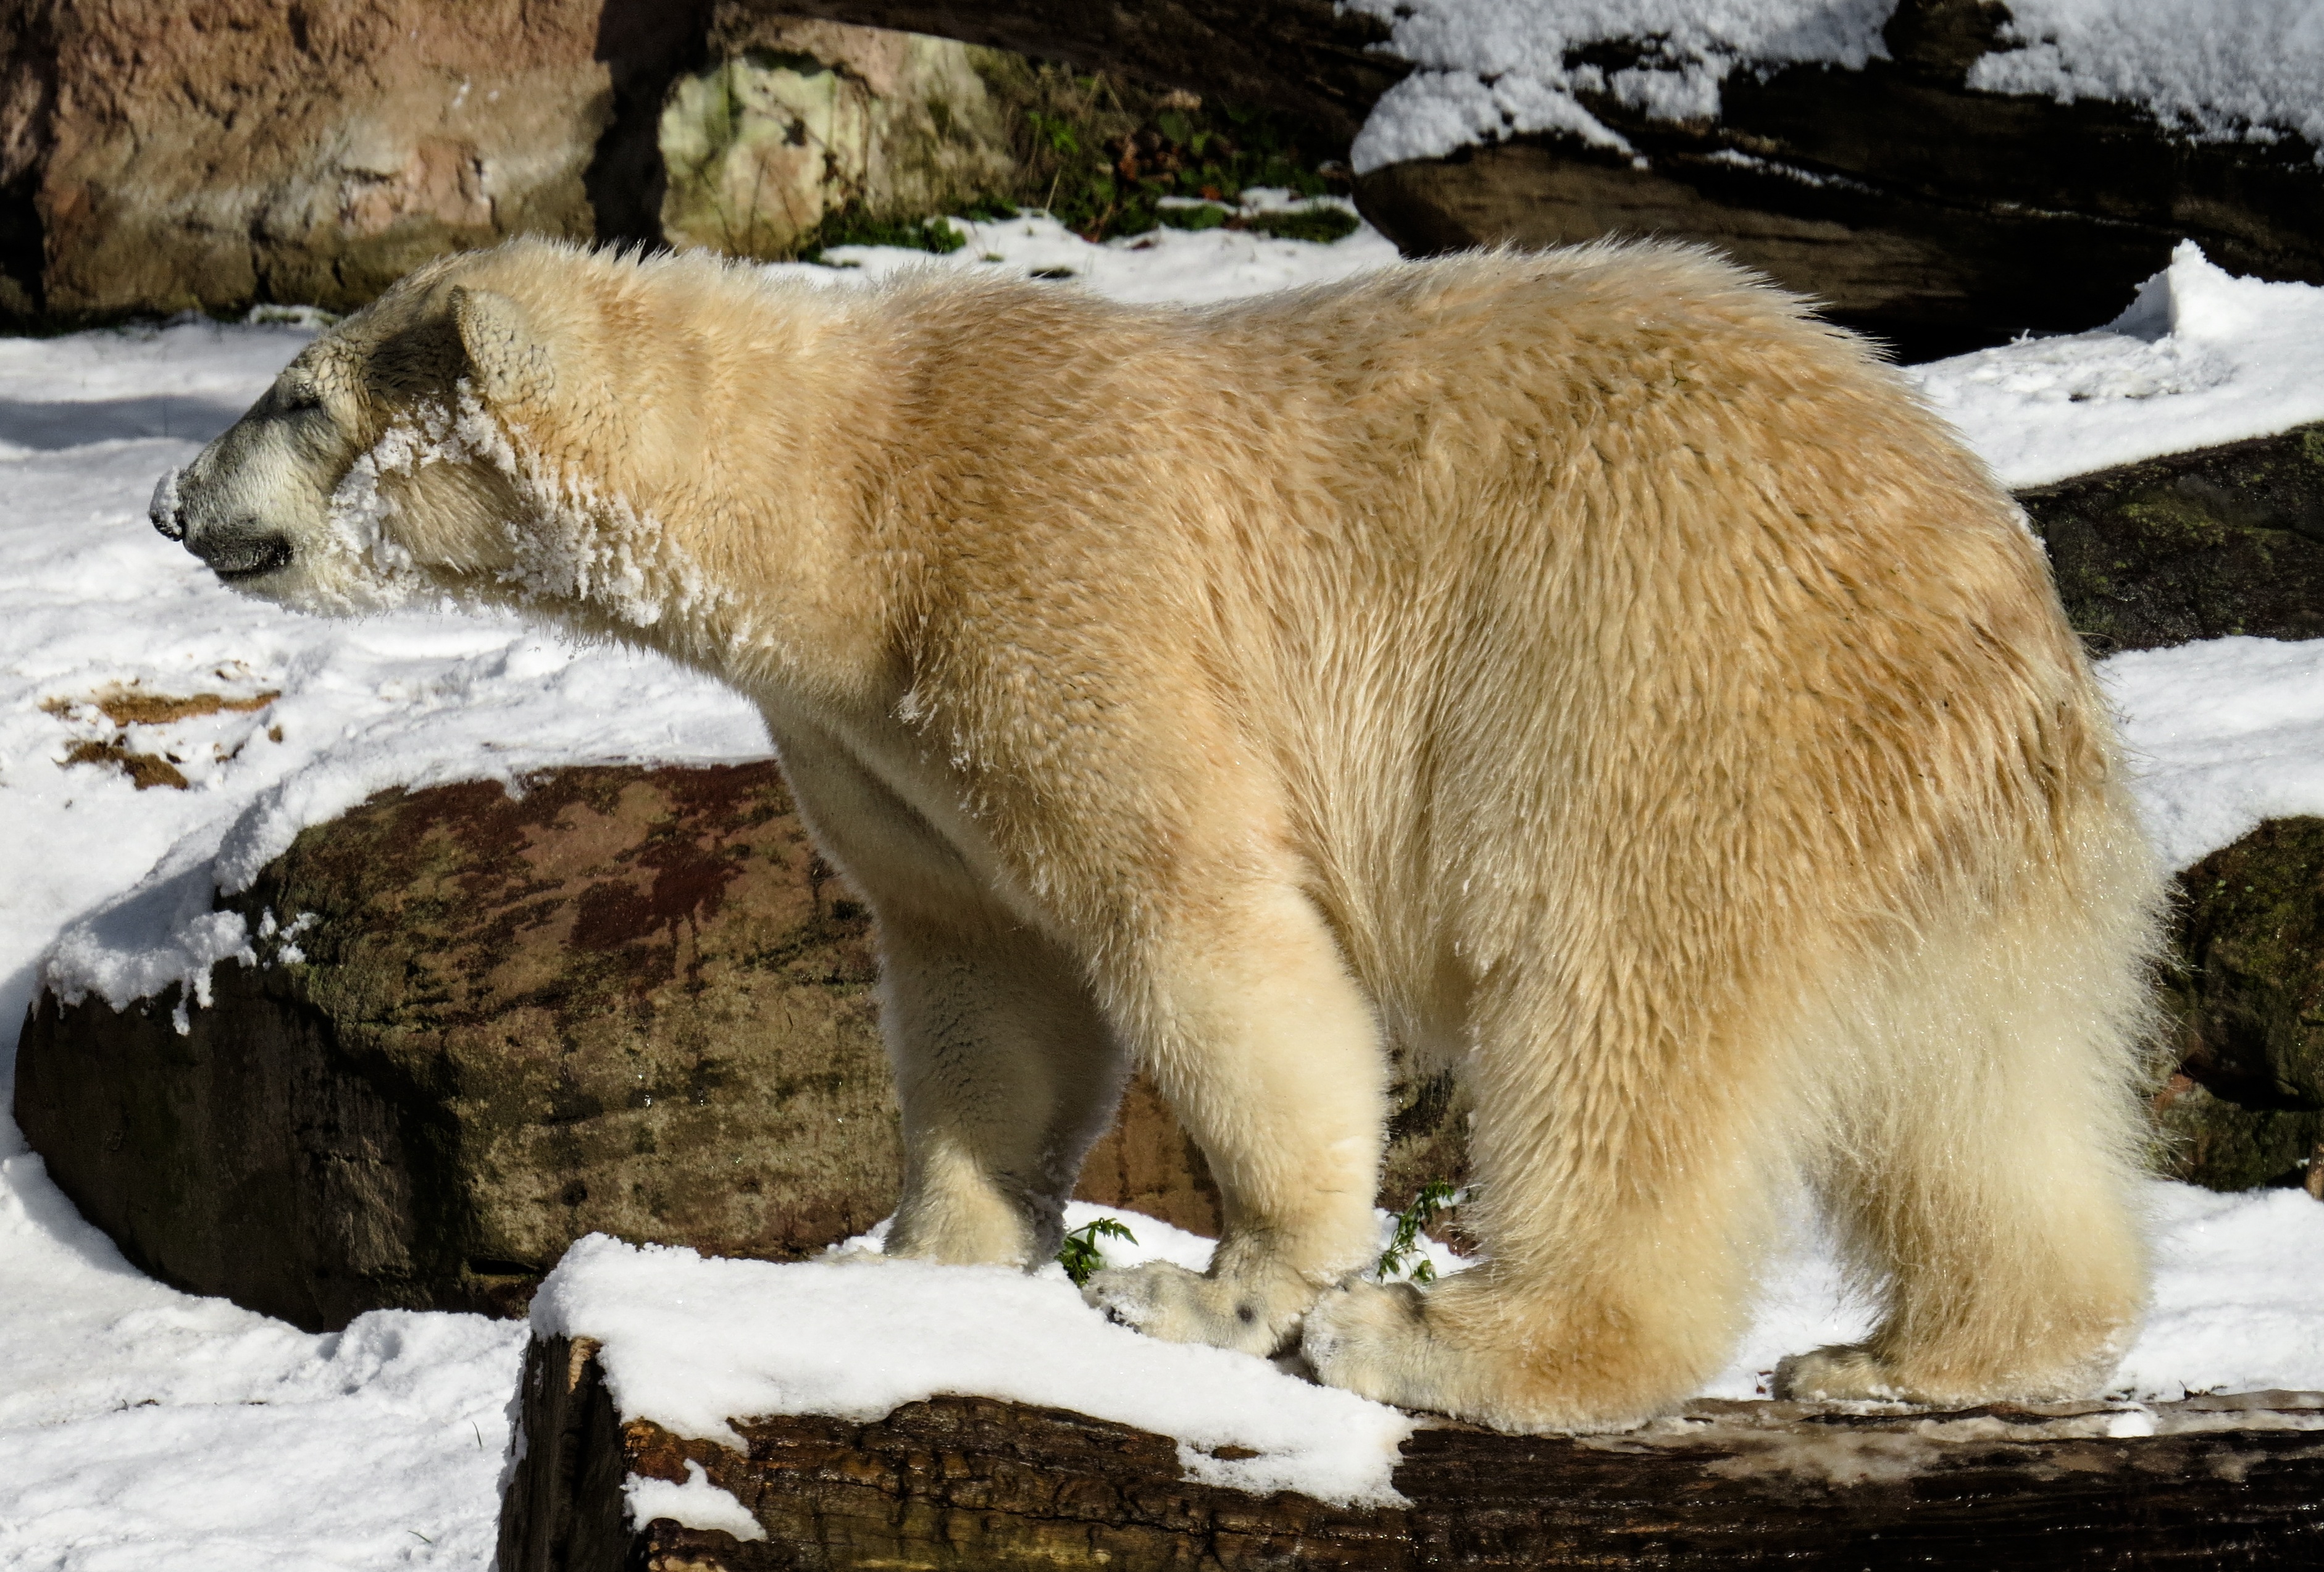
column 1582, row 666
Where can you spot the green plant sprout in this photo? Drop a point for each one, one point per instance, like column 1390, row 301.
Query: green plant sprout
column 1078, row 1251
column 1434, row 1196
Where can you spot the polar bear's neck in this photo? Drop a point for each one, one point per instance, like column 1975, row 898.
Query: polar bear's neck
column 708, row 500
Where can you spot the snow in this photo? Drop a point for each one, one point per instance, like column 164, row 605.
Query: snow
column 1487, row 69
column 2216, row 69
column 142, row 1426
column 2221, row 735
column 1495, row 68
column 2199, row 358
column 1182, row 267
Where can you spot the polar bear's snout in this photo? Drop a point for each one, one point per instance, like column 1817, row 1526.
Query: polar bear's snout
column 164, row 509
column 234, row 548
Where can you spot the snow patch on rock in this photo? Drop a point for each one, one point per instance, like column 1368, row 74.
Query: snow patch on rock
column 1488, row 68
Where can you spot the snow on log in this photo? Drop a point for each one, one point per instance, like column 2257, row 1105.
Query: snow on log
column 954, row 1481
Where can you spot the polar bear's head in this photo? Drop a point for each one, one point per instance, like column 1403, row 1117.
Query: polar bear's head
column 380, row 463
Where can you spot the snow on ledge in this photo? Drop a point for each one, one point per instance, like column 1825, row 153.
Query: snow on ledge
column 2217, row 69
column 693, row 1343
column 696, row 1504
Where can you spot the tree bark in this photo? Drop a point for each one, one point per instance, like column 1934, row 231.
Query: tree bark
column 963, row 1482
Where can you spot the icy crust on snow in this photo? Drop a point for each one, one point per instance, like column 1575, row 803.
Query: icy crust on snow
column 1495, row 68
column 1186, row 267
column 2200, row 358
column 1488, row 68
column 695, row 1344
column 2216, row 69
column 692, row 1343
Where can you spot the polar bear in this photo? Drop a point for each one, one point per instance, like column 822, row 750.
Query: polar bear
column 1583, row 668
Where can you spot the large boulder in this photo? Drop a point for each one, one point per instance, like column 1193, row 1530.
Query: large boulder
column 482, row 1025
column 794, row 124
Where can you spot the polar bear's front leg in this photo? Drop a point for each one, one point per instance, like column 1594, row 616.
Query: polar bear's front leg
column 1006, row 1073
column 1270, row 1056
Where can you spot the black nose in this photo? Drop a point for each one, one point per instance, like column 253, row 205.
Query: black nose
column 164, row 509
column 242, row 556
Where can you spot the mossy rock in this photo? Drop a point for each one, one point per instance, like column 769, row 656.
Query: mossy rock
column 2246, row 993
column 2201, row 545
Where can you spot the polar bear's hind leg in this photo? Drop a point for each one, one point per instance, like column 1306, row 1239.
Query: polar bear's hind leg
column 1986, row 1154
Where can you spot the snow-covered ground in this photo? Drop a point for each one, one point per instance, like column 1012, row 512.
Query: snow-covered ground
column 2214, row 68
column 143, row 1428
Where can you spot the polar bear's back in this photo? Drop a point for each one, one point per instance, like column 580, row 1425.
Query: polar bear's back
column 1603, row 587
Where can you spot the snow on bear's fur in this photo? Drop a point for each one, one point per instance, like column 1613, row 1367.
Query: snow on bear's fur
column 1583, row 668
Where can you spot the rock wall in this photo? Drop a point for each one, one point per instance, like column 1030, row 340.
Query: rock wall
column 231, row 151
column 227, row 153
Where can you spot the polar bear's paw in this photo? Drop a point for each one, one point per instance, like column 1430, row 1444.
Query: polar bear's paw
column 1453, row 1350
column 1178, row 1305
column 1372, row 1339
column 1843, row 1373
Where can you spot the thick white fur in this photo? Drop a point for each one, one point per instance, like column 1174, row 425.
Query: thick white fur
column 1584, row 667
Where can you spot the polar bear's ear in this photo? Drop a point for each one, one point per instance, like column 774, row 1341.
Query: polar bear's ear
column 508, row 362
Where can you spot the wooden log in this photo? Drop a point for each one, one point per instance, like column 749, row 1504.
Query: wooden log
column 963, row 1482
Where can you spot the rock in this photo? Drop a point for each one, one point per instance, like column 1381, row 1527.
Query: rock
column 2197, row 545
column 968, row 1482
column 156, row 159
column 1307, row 57
column 630, row 1000
column 795, row 121
column 2245, row 993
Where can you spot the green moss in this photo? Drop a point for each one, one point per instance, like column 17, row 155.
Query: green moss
column 2248, row 995
column 1100, row 154
column 852, row 225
